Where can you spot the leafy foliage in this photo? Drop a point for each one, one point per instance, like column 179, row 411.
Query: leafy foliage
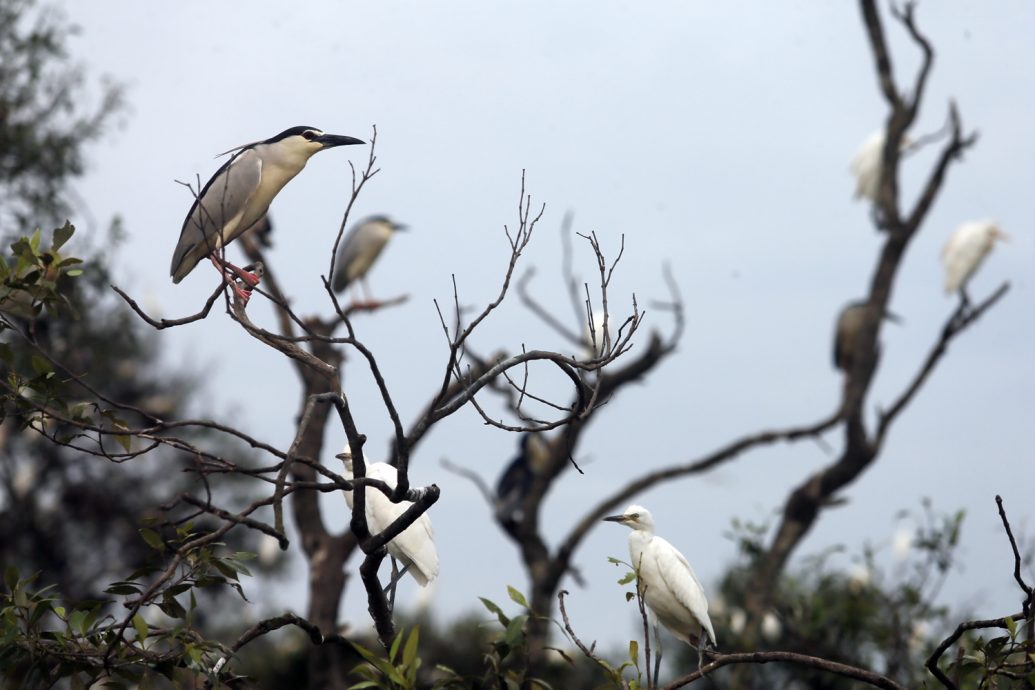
column 42, row 124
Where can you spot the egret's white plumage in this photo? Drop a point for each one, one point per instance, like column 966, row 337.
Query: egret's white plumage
column 966, row 249
column 596, row 342
column 415, row 546
column 670, row 588
column 867, row 165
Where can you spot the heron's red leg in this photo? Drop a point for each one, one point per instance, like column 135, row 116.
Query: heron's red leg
column 230, row 274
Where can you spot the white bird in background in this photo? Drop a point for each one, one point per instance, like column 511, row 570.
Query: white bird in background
column 415, row 545
column 965, row 250
column 596, row 342
column 667, row 583
column 867, row 165
column 360, row 249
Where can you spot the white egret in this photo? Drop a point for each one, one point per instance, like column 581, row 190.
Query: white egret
column 868, row 166
column 415, row 545
column 667, row 583
column 965, row 250
column 596, row 342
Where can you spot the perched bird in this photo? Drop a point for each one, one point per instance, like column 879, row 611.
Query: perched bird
column 238, row 196
column 965, row 251
column 360, row 249
column 849, row 324
column 516, row 480
column 415, row 546
column 667, row 583
column 262, row 232
column 595, row 341
column 868, row 167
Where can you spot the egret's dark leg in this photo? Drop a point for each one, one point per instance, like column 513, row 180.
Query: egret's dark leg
column 396, row 576
column 700, row 648
column 657, row 654
column 393, row 584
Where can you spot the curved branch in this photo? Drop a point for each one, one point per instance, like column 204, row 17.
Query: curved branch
column 719, row 660
column 725, row 454
column 932, row 661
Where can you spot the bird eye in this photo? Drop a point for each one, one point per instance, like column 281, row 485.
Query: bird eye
column 309, row 134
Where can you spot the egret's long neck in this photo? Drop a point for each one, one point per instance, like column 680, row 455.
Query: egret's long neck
column 638, row 540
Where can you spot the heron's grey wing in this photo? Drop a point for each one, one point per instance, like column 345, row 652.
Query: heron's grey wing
column 216, row 212
column 347, row 254
column 681, row 579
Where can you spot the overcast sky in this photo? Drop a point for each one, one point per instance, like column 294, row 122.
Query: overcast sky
column 715, row 136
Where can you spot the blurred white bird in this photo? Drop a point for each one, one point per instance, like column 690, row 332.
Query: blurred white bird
column 965, row 251
column 867, row 165
column 596, row 342
column 667, row 583
column 415, row 545
column 360, row 249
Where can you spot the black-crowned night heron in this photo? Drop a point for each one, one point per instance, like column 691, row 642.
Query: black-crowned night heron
column 850, row 323
column 360, row 249
column 965, row 250
column 415, row 545
column 513, row 485
column 238, row 196
column 667, row 583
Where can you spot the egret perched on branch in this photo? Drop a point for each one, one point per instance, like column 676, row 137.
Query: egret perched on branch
column 849, row 324
column 965, row 250
column 238, row 196
column 667, row 583
column 868, row 165
column 360, row 249
column 414, row 547
column 595, row 341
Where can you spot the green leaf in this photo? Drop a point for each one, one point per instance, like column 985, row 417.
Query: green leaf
column 629, row 577
column 1011, row 626
column 34, row 241
column 394, row 649
column 62, row 235
column 172, row 608
column 77, row 621
column 634, row 652
column 629, row 596
column 74, row 272
column 11, row 577
column 40, row 365
column 515, row 634
column 410, row 651
column 140, row 625
column 153, row 539
column 493, row 608
column 517, row 597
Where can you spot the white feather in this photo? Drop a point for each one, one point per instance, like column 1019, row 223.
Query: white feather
column 415, row 546
column 966, row 249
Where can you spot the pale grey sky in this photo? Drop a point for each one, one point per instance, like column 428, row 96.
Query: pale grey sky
column 715, row 136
